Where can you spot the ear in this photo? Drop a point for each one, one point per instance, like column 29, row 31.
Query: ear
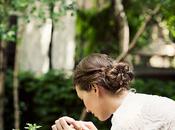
column 96, row 89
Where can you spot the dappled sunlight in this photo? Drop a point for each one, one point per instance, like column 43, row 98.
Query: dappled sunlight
column 160, row 62
column 29, row 27
column 168, row 50
column 70, row 53
column 45, row 31
column 163, row 56
column 45, row 65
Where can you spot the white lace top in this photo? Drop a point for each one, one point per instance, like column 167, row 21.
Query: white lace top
column 144, row 112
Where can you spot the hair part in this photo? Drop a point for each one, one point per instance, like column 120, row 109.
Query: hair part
column 102, row 70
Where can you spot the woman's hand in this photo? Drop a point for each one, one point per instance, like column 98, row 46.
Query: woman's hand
column 67, row 123
column 88, row 125
column 64, row 123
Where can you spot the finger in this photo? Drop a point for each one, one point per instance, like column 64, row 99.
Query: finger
column 77, row 125
column 90, row 125
column 68, row 119
column 64, row 124
column 71, row 126
column 83, row 126
column 58, row 125
column 54, row 127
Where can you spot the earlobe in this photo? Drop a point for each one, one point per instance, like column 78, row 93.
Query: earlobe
column 96, row 90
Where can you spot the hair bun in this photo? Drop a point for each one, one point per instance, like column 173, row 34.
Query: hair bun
column 119, row 76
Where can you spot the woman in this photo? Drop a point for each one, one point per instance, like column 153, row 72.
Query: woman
column 103, row 86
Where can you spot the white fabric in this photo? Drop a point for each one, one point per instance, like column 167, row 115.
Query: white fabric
column 144, row 112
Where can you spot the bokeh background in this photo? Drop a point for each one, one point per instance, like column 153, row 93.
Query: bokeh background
column 41, row 41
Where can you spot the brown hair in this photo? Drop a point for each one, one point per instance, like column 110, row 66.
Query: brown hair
column 100, row 69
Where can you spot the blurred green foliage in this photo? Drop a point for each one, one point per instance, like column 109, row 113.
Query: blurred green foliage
column 46, row 98
column 97, row 30
column 7, row 34
column 42, row 99
column 28, row 9
column 154, row 86
column 137, row 10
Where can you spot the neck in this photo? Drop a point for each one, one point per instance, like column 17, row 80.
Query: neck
column 116, row 100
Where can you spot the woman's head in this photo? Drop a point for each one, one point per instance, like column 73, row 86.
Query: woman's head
column 98, row 75
column 103, row 71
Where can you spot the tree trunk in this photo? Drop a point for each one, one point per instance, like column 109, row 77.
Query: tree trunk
column 51, row 10
column 2, row 80
column 138, row 33
column 15, row 92
column 123, row 26
column 50, row 47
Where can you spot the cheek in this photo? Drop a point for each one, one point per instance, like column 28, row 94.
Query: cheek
column 90, row 103
column 87, row 103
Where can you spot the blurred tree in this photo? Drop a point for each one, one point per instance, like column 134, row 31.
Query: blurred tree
column 136, row 12
column 99, row 27
column 122, row 21
column 26, row 9
column 6, row 34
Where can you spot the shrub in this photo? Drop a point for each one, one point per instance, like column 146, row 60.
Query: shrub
column 44, row 99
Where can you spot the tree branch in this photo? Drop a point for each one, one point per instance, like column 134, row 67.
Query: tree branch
column 138, row 34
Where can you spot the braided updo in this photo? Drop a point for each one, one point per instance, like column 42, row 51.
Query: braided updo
column 102, row 70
